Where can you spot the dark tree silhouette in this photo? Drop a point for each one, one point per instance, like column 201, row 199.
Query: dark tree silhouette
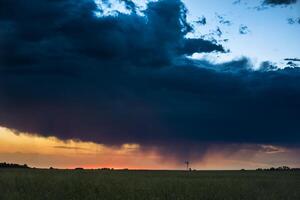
column 12, row 165
column 282, row 168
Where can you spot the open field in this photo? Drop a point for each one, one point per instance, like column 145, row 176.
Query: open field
column 31, row 184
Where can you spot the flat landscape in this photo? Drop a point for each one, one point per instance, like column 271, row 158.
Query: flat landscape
column 34, row 184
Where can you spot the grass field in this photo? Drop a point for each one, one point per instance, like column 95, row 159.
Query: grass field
column 31, row 184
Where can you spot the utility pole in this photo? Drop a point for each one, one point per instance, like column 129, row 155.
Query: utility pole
column 187, row 165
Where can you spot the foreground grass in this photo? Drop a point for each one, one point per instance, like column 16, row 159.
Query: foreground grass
column 151, row 185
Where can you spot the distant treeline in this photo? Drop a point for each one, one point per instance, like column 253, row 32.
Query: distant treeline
column 11, row 165
column 103, row 169
column 283, row 168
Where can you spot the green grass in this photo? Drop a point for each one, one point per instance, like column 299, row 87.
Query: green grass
column 151, row 185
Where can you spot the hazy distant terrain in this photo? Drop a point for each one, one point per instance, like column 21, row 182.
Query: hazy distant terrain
column 31, row 184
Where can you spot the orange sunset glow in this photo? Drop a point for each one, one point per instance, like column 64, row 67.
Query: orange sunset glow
column 50, row 151
column 38, row 151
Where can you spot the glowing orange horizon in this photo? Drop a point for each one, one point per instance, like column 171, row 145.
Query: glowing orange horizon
column 45, row 152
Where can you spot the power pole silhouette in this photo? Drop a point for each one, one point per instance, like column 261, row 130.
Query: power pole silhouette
column 187, row 165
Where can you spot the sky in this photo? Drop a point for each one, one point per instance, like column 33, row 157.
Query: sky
column 108, row 83
column 268, row 37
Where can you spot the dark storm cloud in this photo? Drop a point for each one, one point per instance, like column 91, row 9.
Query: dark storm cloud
column 243, row 30
column 273, row 3
column 130, row 5
column 152, row 40
column 223, row 20
column 293, row 20
column 265, row 4
column 292, row 62
column 218, row 32
column 193, row 45
column 280, row 2
column 268, row 66
column 292, row 59
column 125, row 79
column 202, row 21
column 236, row 2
